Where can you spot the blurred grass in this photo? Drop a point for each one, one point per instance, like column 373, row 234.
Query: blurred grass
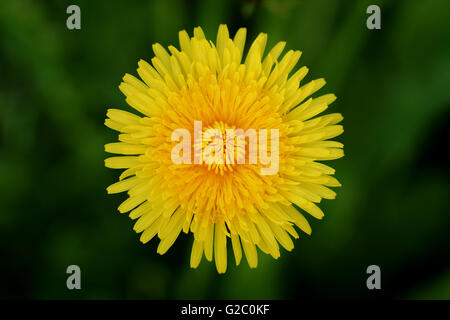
column 392, row 88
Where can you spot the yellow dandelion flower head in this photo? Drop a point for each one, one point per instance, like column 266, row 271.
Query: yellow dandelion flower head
column 198, row 94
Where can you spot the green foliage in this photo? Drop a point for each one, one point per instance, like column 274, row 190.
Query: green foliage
column 392, row 88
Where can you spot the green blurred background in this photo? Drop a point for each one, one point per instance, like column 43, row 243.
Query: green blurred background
column 393, row 90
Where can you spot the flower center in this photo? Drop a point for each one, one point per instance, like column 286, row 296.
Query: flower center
column 221, row 148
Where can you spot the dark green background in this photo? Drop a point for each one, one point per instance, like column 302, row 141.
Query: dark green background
column 393, row 90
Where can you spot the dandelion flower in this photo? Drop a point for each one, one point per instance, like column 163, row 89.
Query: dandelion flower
column 215, row 84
